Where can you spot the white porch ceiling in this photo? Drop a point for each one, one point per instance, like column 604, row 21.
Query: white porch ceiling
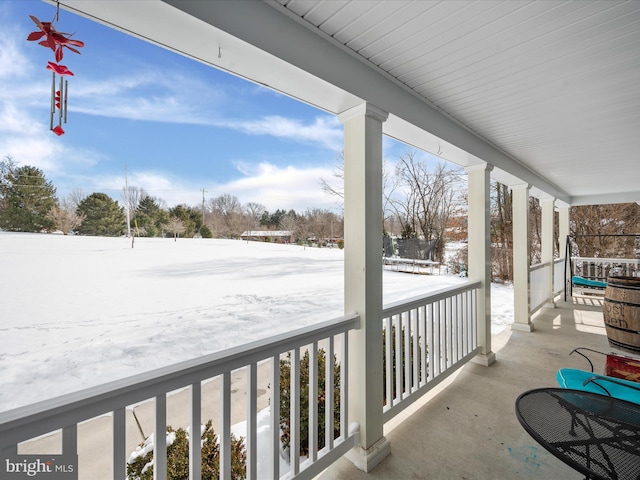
column 548, row 91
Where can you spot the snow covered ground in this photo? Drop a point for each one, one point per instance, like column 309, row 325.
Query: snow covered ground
column 80, row 311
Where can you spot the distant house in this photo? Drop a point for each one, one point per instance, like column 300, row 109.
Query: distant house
column 279, row 236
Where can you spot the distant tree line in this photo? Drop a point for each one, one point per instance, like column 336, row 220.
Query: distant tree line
column 427, row 202
column 29, row 203
column 423, row 202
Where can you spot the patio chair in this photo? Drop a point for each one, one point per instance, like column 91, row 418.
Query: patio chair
column 618, row 366
column 574, row 379
column 585, row 286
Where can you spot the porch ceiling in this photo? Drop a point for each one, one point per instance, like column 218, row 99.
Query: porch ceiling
column 547, row 92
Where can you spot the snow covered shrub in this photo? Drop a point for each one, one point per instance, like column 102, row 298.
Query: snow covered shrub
column 285, row 401
column 140, row 462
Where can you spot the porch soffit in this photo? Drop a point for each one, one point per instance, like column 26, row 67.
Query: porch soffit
column 548, row 92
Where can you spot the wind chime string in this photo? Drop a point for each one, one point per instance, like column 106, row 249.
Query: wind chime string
column 57, row 42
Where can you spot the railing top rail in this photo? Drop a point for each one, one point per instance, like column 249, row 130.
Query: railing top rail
column 404, row 305
column 607, row 260
column 538, row 266
column 39, row 418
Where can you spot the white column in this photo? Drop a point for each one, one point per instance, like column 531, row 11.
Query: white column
column 521, row 267
column 563, row 232
column 363, row 277
column 479, row 253
column 563, row 229
column 546, row 251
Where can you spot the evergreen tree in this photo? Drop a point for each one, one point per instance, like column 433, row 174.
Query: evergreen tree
column 26, row 198
column 191, row 219
column 103, row 216
column 151, row 217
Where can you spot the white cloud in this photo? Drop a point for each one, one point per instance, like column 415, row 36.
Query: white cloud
column 13, row 62
column 151, row 93
column 164, row 97
column 325, row 130
column 276, row 187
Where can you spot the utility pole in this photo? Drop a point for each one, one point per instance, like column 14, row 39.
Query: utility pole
column 203, row 191
column 128, row 203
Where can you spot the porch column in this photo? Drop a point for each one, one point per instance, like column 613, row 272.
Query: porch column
column 363, row 277
column 547, row 248
column 479, row 253
column 563, row 232
column 521, row 263
column 563, row 229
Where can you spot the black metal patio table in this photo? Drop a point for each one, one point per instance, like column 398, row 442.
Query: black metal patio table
column 597, row 435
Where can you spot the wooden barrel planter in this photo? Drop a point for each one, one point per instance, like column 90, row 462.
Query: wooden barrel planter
column 621, row 311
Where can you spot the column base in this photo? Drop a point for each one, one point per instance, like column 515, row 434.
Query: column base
column 485, row 359
column 366, row 460
column 522, row 327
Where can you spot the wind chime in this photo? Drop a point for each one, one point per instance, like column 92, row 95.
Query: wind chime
column 57, row 42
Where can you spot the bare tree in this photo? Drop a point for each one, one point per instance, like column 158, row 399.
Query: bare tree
column 65, row 219
column 227, row 217
column 289, row 223
column 131, row 197
column 322, row 224
column 603, row 224
column 303, row 227
column 254, row 211
column 429, row 200
column 337, row 190
column 176, row 226
column 338, row 172
column 502, row 232
column 74, row 199
column 535, row 231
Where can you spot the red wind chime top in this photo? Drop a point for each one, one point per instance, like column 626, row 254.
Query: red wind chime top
column 57, row 41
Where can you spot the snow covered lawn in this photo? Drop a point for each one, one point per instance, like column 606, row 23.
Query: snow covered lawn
column 80, row 311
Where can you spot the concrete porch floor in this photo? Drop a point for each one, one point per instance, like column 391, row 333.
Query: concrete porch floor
column 467, row 428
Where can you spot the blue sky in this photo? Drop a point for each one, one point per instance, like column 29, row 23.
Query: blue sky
column 177, row 126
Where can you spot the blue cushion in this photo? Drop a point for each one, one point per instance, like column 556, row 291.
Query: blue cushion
column 574, row 379
column 585, row 282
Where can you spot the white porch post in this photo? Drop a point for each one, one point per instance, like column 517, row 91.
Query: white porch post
column 563, row 229
column 521, row 267
column 563, row 232
column 479, row 253
column 548, row 228
column 363, row 277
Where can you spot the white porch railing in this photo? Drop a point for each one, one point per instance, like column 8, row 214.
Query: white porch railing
column 426, row 339
column 539, row 276
column 539, row 281
column 558, row 276
column 66, row 412
column 600, row 268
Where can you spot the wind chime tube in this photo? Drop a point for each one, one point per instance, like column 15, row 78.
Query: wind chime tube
column 61, row 102
column 53, row 99
column 66, row 91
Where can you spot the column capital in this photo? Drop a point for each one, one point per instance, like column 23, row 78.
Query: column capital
column 545, row 197
column 520, row 186
column 364, row 109
column 480, row 166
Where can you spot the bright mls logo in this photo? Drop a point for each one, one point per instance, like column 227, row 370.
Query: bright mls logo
column 40, row 467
